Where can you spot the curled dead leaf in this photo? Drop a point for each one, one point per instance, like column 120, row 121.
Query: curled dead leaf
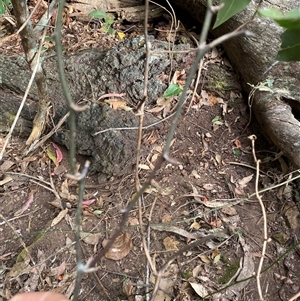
column 120, row 248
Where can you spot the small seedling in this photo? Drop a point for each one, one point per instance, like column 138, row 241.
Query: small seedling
column 107, row 21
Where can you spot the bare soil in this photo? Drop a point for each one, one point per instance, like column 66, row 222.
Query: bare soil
column 209, row 189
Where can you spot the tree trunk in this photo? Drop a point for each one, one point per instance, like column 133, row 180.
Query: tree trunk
column 254, row 60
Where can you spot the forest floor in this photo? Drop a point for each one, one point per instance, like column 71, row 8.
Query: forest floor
column 210, row 191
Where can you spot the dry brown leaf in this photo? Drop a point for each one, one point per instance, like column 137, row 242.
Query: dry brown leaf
column 118, row 104
column 90, row 238
column 195, row 226
column 170, row 244
column 5, row 180
column 7, row 164
column 56, row 203
column 200, row 289
column 144, row 166
column 59, row 217
column 204, row 258
column 197, row 270
column 243, row 182
column 120, row 248
column 229, row 211
column 166, row 218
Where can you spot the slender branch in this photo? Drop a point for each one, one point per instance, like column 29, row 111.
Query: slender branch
column 64, row 85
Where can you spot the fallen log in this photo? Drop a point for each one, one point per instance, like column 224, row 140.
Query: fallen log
column 277, row 111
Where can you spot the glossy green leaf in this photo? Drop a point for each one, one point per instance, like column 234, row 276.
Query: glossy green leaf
column 290, row 47
column 229, row 9
column 97, row 14
column 173, row 90
column 290, row 20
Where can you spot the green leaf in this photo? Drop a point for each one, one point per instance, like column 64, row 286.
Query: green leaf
column 230, row 8
column 173, row 89
column 236, row 152
column 97, row 14
column 51, row 156
column 109, row 21
column 290, row 20
column 2, row 8
column 217, row 258
column 111, row 31
column 290, row 47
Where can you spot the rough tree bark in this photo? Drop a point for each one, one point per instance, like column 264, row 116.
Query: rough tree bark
column 254, row 60
column 91, row 74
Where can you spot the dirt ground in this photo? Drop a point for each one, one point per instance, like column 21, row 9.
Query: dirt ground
column 209, row 192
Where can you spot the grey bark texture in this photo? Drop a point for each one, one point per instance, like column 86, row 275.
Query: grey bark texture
column 91, row 74
column 254, row 60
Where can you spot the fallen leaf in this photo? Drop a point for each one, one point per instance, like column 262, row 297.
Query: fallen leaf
column 5, row 179
column 118, row 104
column 218, row 159
column 121, row 35
column 237, row 143
column 51, row 156
column 120, row 248
column 170, row 244
column 60, row 269
column 204, row 258
column 229, row 211
column 144, row 166
column 197, row 270
column 59, row 217
column 195, row 226
column 6, row 165
column 200, row 289
column 90, row 238
column 27, row 204
column 291, row 216
column 87, row 203
column 166, row 218
column 243, row 182
column 59, row 155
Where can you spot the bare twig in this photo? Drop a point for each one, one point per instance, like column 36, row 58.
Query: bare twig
column 134, row 127
column 253, row 138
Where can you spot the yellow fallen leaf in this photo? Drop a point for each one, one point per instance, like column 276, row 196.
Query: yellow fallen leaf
column 118, row 104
